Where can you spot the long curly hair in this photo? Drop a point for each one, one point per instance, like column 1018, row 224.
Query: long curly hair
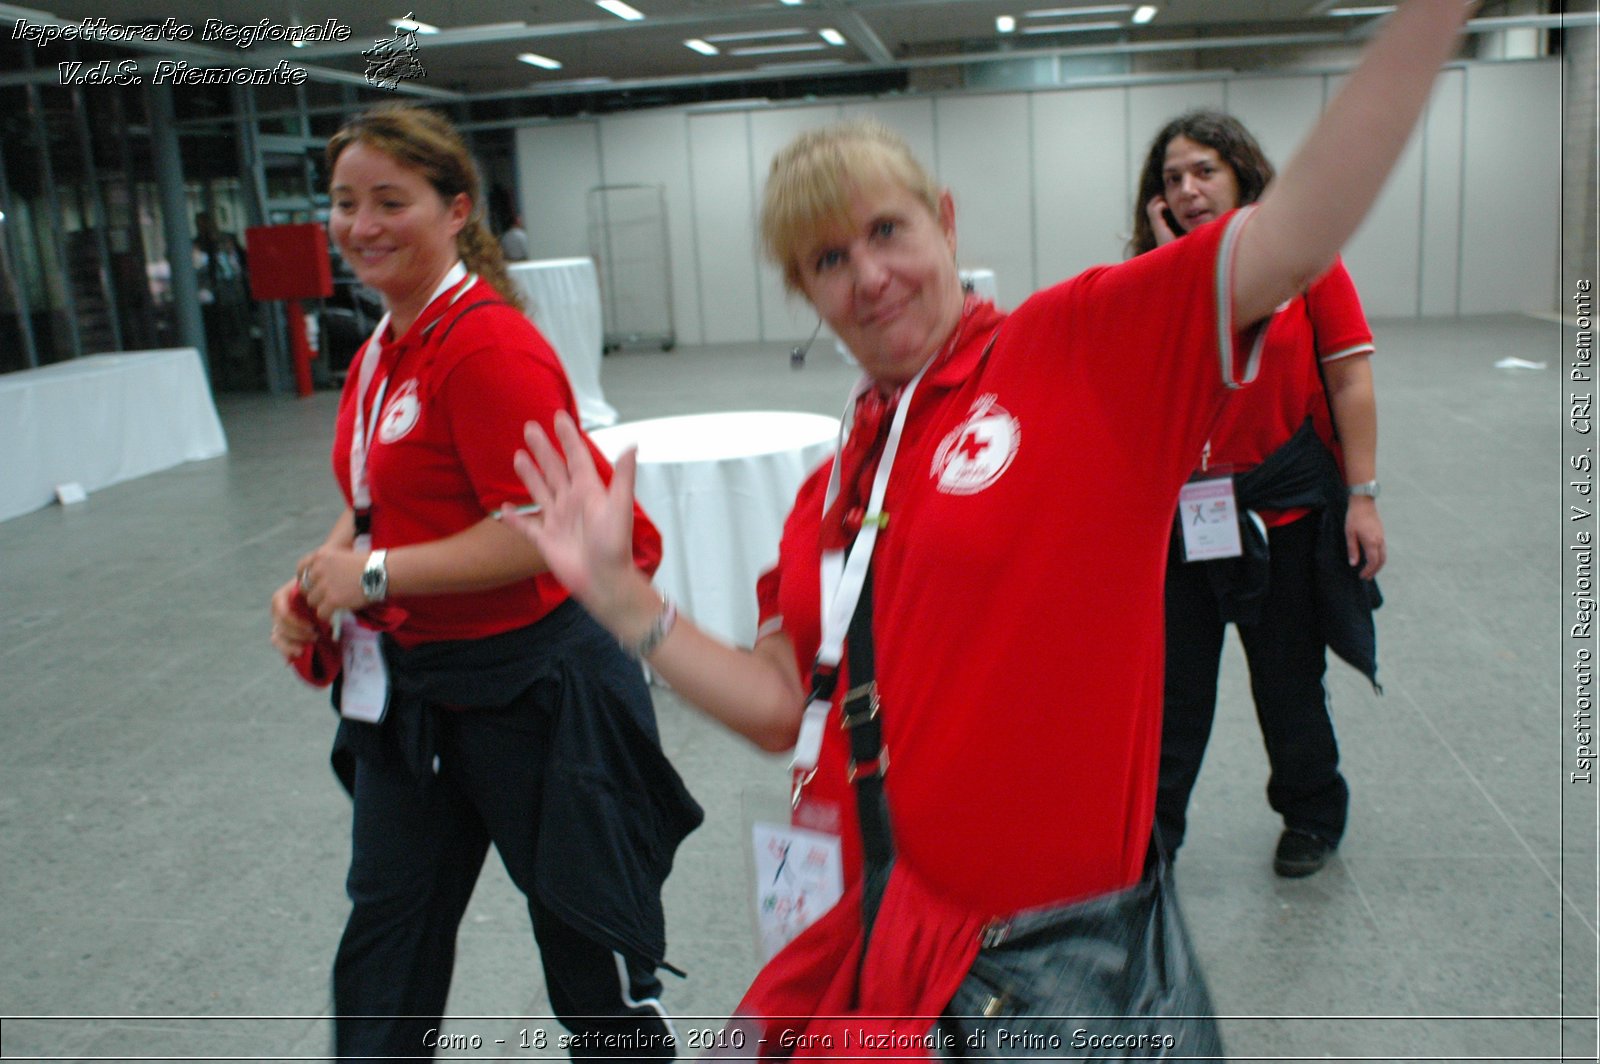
column 425, row 141
column 1221, row 133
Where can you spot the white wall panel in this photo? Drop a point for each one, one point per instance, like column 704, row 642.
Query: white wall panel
column 1278, row 111
column 652, row 148
column 1384, row 254
column 725, row 243
column 1081, row 182
column 912, row 118
column 556, row 167
column 984, row 158
column 1441, row 197
column 1511, row 198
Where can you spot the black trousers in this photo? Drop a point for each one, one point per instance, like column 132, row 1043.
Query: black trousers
column 1287, row 658
column 416, row 850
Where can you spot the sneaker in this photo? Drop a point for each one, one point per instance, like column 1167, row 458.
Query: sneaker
column 1300, row 853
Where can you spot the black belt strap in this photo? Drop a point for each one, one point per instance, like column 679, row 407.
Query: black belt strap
column 869, row 760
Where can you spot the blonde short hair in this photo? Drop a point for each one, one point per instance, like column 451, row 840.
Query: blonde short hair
column 812, row 180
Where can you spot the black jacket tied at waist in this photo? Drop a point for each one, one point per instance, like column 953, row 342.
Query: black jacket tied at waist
column 1300, row 474
column 613, row 809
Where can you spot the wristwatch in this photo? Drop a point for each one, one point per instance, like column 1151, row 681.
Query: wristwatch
column 375, row 577
column 1369, row 488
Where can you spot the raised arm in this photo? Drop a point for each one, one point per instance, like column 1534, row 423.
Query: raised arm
column 1326, row 189
column 584, row 532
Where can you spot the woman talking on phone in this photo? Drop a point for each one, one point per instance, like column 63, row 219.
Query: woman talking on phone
column 1299, row 452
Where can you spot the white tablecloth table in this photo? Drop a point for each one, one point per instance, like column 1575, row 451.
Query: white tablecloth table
column 718, row 486
column 563, row 300
column 100, row 420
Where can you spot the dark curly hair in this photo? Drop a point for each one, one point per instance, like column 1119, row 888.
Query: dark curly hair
column 1223, row 134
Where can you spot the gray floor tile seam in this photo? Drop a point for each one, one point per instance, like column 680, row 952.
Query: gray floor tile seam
column 1587, row 919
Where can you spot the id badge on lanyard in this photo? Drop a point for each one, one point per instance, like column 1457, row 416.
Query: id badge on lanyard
column 843, row 578
column 364, row 692
column 1208, row 514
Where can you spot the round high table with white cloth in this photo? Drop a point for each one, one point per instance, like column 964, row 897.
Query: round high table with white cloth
column 563, row 300
column 718, row 486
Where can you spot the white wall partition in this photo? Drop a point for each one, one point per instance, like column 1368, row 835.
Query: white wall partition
column 724, row 236
column 1082, row 186
column 989, row 185
column 557, row 165
column 1511, row 187
column 1043, row 180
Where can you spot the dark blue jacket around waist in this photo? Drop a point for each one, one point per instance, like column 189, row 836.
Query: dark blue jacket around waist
column 614, row 809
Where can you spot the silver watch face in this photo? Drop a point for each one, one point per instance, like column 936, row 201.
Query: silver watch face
column 372, row 582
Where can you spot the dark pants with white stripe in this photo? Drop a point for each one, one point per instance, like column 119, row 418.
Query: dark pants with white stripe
column 417, row 848
column 1288, row 659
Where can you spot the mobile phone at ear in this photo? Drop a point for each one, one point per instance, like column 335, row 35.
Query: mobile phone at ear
column 1171, row 220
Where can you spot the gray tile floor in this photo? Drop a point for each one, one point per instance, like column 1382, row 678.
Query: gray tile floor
column 174, row 844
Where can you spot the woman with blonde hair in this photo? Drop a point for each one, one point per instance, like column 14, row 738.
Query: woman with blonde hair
column 992, row 539
column 480, row 703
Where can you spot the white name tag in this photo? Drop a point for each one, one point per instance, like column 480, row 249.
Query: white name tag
column 1209, row 518
column 799, row 876
column 365, row 693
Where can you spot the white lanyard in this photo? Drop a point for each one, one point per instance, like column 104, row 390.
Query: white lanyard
column 361, row 437
column 843, row 578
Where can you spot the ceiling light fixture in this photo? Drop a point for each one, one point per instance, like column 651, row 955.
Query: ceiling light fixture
column 832, row 36
column 776, row 49
column 1361, row 12
column 1145, row 13
column 1080, row 12
column 1004, row 24
column 755, row 35
column 620, row 9
column 814, row 64
column 411, row 25
column 542, row 61
column 696, row 44
column 1071, row 27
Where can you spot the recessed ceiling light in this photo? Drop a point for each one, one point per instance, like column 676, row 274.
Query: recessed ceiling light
column 832, row 36
column 776, row 49
column 411, row 25
column 1072, row 27
column 700, row 46
column 814, row 64
column 1081, row 12
column 1360, row 12
column 755, row 35
column 542, row 61
column 791, row 3
column 621, row 10
column 1145, row 13
column 1004, row 24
